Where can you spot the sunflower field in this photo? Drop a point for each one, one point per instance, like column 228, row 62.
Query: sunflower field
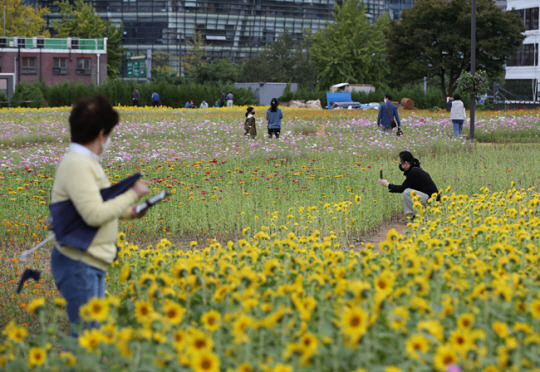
column 257, row 260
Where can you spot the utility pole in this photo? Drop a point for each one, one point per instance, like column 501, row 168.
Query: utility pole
column 473, row 63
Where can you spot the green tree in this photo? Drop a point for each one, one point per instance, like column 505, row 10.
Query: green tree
column 350, row 49
column 22, row 20
column 195, row 57
column 285, row 60
column 433, row 39
column 218, row 70
column 160, row 63
column 80, row 20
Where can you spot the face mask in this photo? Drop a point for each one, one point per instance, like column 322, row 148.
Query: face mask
column 401, row 168
column 105, row 145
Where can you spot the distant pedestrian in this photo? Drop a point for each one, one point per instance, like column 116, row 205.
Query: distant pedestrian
column 388, row 116
column 204, row 104
column 222, row 99
column 274, row 116
column 249, row 125
column 189, row 104
column 230, row 99
column 457, row 114
column 155, row 98
column 136, row 96
column 217, row 104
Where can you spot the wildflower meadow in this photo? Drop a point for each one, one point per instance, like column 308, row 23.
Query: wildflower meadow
column 258, row 261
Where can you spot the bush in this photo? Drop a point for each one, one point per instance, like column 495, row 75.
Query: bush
column 3, row 100
column 28, row 95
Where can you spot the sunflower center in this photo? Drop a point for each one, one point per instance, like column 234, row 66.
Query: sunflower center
column 355, row 321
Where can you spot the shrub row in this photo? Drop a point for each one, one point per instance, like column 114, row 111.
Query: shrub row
column 432, row 98
column 120, row 93
column 177, row 94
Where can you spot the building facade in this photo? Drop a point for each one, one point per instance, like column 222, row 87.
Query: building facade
column 51, row 61
column 523, row 68
column 235, row 29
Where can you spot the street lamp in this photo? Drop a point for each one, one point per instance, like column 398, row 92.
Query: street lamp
column 473, row 63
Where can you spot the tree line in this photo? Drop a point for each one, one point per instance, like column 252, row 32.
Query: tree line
column 431, row 40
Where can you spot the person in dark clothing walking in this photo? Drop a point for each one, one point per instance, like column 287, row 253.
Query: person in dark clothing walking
column 274, row 116
column 136, row 96
column 222, row 99
column 416, row 179
column 387, row 114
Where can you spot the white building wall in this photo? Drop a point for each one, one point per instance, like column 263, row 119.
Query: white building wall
column 531, row 37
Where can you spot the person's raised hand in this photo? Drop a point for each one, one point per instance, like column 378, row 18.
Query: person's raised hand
column 141, row 188
column 383, row 182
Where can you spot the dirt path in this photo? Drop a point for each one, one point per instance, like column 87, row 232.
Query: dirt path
column 380, row 234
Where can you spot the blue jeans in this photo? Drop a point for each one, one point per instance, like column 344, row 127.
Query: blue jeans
column 78, row 283
column 458, row 127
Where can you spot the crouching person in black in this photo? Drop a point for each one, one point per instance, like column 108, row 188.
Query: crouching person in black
column 416, row 179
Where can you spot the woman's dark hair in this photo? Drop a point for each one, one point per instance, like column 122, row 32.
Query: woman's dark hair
column 90, row 116
column 249, row 109
column 408, row 157
column 274, row 104
column 388, row 96
column 457, row 97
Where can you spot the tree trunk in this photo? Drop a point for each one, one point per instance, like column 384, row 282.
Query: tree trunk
column 443, row 84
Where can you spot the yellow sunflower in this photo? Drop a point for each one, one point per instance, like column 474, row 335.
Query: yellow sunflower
column 96, row 309
column 15, row 333
column 174, row 313
column 417, row 345
column 205, row 361
column 90, row 339
column 535, row 309
column 35, row 305
column 444, row 356
column 36, row 357
column 354, row 323
column 211, row 320
column 465, row 321
column 198, row 341
column 500, row 329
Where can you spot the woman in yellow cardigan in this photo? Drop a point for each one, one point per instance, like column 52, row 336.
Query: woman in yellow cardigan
column 80, row 275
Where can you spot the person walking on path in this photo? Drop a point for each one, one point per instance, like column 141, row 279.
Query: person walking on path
column 230, row 99
column 136, row 96
column 155, row 98
column 274, row 116
column 222, row 99
column 78, row 274
column 416, row 179
column 249, row 125
column 388, row 116
column 458, row 115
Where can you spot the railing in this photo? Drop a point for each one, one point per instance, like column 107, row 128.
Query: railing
column 48, row 43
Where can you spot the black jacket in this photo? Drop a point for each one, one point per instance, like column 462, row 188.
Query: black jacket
column 417, row 179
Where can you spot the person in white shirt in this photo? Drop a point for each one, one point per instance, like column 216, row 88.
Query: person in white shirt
column 457, row 114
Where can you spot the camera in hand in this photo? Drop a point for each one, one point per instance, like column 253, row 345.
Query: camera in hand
column 150, row 202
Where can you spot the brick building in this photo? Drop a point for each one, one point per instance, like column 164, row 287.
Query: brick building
column 51, row 61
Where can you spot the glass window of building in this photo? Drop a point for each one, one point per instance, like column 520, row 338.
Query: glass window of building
column 529, row 17
column 29, row 65
column 84, row 66
column 525, row 55
column 60, row 66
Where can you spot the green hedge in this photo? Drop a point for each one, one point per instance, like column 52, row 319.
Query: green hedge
column 176, row 94
column 119, row 93
column 433, row 98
